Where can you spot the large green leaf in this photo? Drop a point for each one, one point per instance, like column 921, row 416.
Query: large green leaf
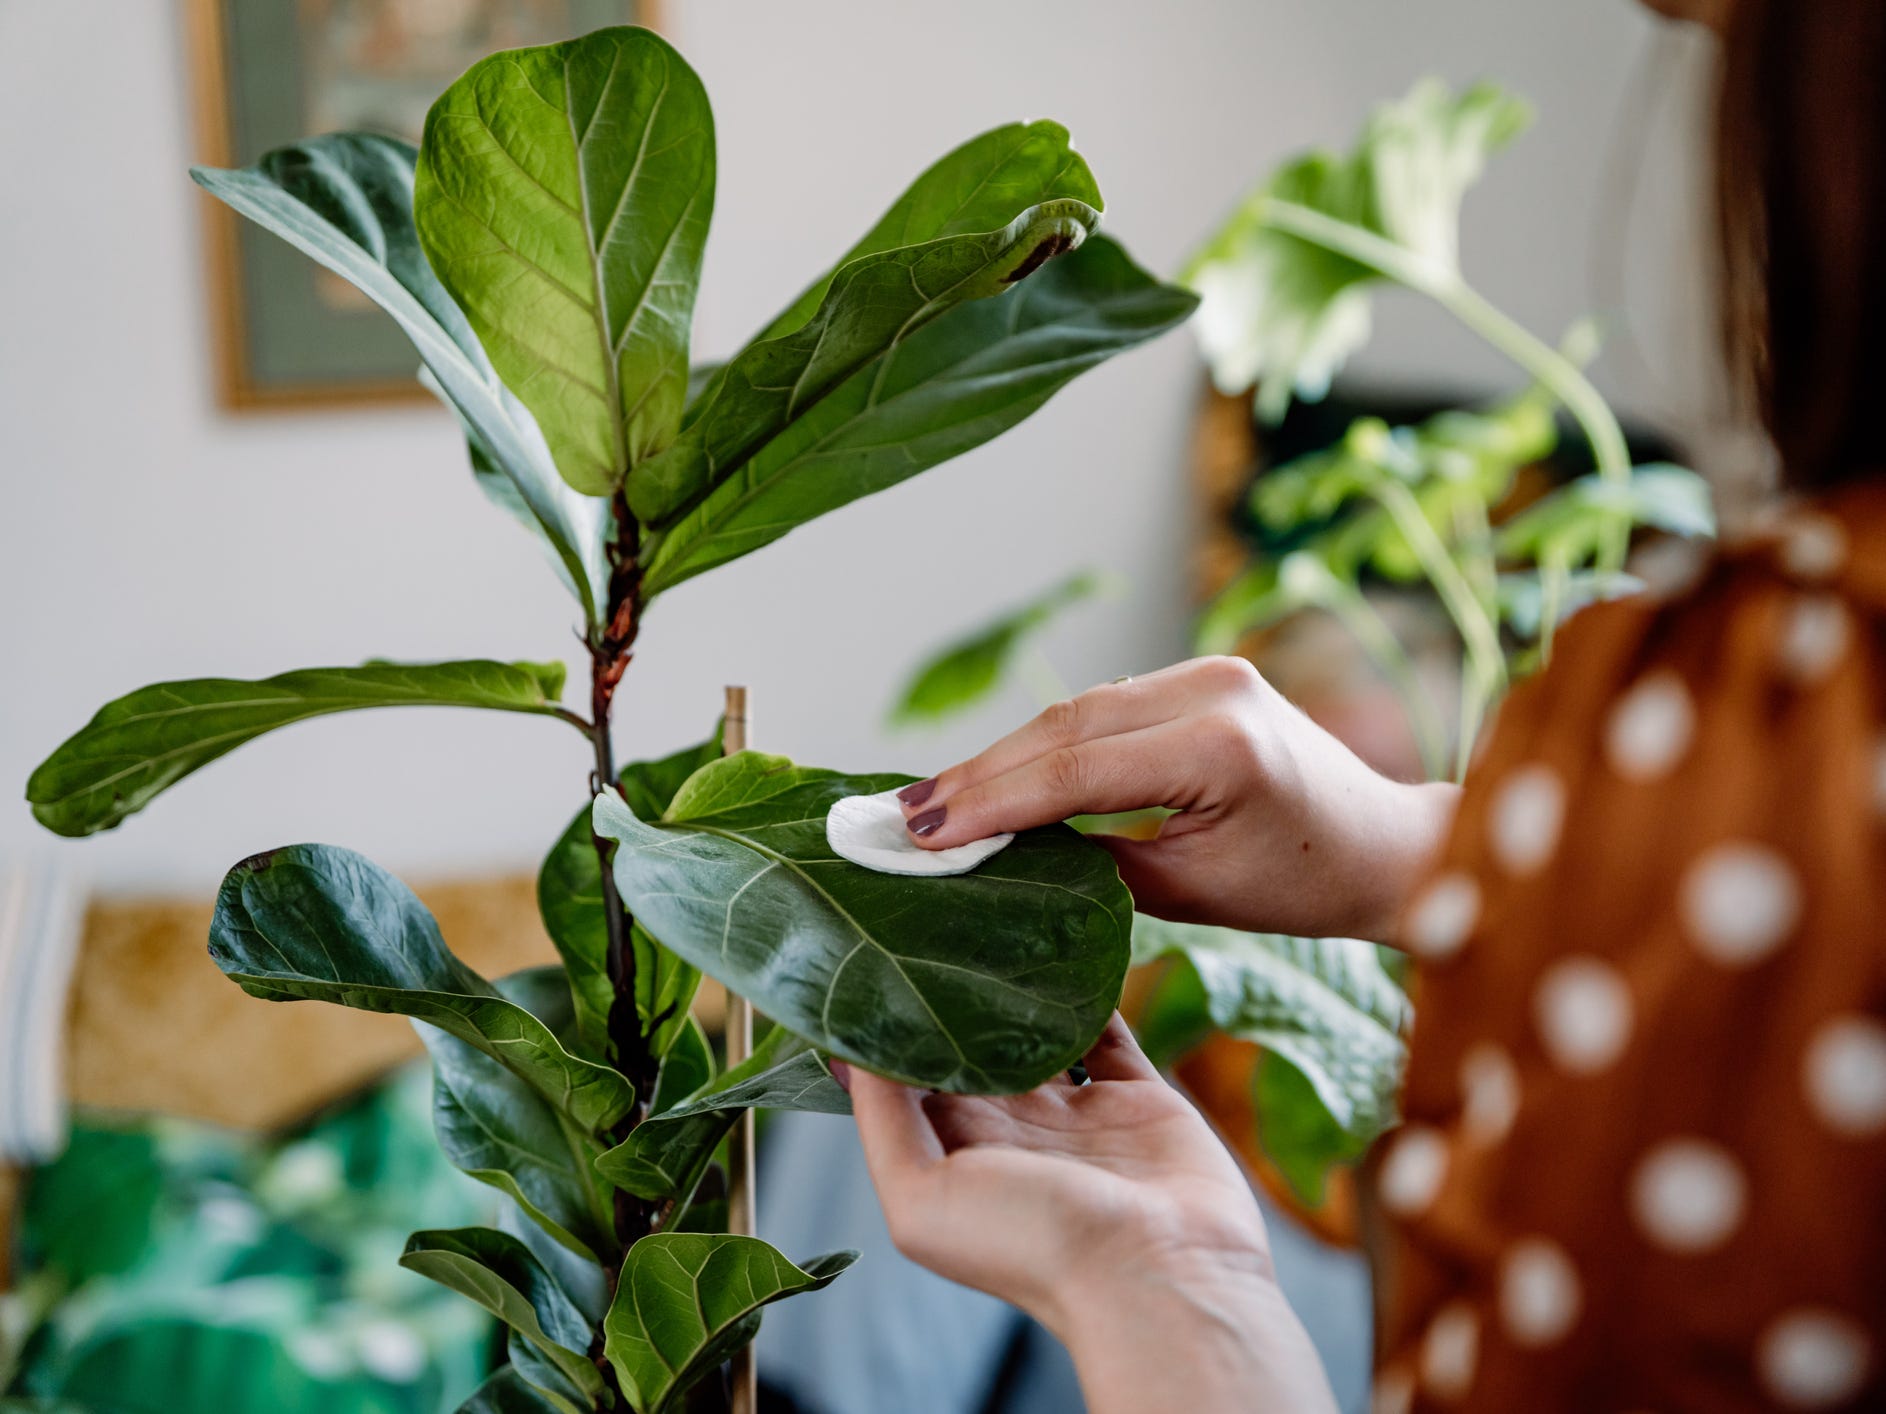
column 1323, row 1005
column 990, row 981
column 508, row 1392
column 346, row 200
column 313, row 921
column 686, row 1301
column 500, row 1274
column 1285, row 312
column 872, row 306
column 949, row 387
column 975, row 187
column 966, row 671
column 501, row 1131
column 563, row 195
column 665, row 1155
column 545, row 1381
column 143, row 743
column 569, row 895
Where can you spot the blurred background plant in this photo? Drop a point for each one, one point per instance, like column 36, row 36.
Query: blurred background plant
column 177, row 1265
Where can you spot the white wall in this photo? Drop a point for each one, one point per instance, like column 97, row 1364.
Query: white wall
column 144, row 534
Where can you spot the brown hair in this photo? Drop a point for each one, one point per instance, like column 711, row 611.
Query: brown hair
column 1801, row 154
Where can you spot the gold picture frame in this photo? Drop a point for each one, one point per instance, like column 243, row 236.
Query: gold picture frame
column 285, row 334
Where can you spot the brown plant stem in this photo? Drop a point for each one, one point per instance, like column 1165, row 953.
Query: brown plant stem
column 611, row 647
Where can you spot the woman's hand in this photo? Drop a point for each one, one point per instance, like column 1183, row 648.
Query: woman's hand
column 1281, row 828
column 1112, row 1214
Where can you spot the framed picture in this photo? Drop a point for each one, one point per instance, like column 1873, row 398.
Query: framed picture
column 269, row 72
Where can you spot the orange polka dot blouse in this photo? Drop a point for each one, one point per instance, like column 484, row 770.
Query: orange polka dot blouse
column 1644, row 1160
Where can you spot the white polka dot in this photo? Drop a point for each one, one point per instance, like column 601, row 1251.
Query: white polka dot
column 1845, row 1072
column 1650, row 728
column 1814, row 633
column 1813, row 1359
column 1394, row 1393
column 1539, row 1292
column 1739, row 902
column 1450, row 1350
column 1412, row 1173
column 1582, row 1009
column 1489, row 1086
column 1524, row 821
column 1814, row 547
column 1688, row 1195
column 1443, row 917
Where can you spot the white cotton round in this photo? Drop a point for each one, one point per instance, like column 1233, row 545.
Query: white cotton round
column 869, row 830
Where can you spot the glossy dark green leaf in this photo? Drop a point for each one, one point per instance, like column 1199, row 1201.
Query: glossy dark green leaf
column 563, row 196
column 346, row 200
column 569, row 895
column 872, row 306
column 990, row 981
column 1323, row 1005
column 949, row 387
column 969, row 669
column 500, row 1274
column 313, row 921
column 501, row 1131
column 689, row 1066
column 545, row 1381
column 1284, row 312
column 665, row 1155
column 975, row 187
column 508, row 1392
column 687, row 1301
column 143, row 743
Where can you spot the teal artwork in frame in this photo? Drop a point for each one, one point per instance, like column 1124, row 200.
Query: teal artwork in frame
column 270, row 72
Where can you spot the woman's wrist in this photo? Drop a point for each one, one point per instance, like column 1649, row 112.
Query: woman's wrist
column 1244, row 1347
column 1399, row 849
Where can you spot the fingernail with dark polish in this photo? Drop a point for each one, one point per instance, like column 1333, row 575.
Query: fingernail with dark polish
column 840, row 1072
column 927, row 823
column 915, row 795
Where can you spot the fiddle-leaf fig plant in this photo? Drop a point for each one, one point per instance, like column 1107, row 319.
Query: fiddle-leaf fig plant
column 542, row 249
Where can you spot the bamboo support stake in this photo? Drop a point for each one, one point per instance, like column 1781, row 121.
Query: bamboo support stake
column 739, row 1035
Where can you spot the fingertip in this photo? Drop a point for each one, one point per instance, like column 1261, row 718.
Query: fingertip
column 912, row 796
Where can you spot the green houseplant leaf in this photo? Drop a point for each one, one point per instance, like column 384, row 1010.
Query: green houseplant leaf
column 501, row 1131
column 1324, row 1006
column 563, row 196
column 313, row 921
column 569, row 896
column 872, row 305
column 991, row 981
column 945, row 389
column 500, row 1274
column 976, row 186
column 143, row 743
column 665, row 1155
column 346, row 200
column 968, row 670
column 508, row 1392
column 687, row 1301
column 1568, row 526
column 1284, row 312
